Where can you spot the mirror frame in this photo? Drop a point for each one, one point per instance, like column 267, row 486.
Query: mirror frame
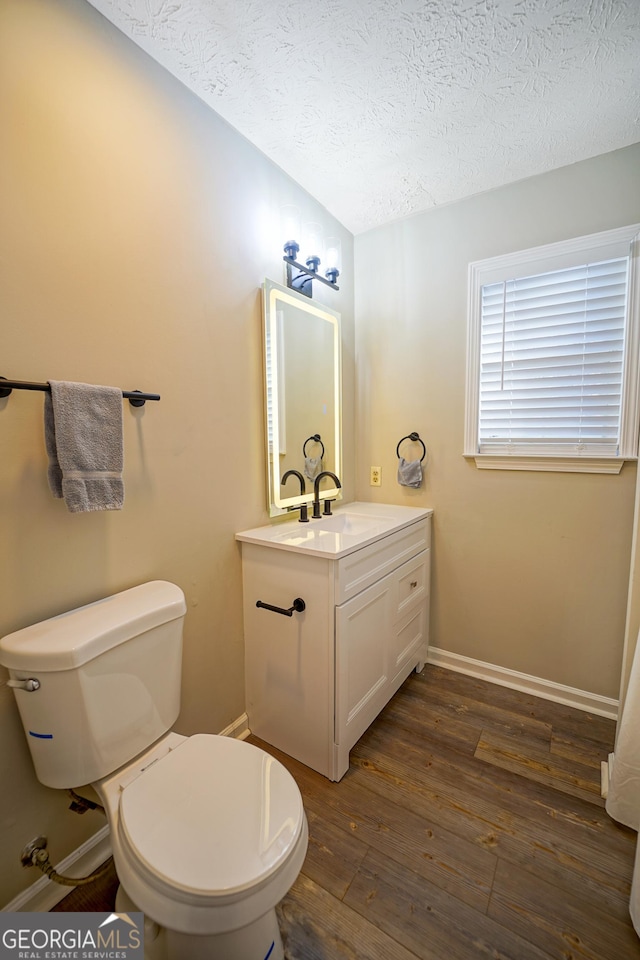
column 275, row 297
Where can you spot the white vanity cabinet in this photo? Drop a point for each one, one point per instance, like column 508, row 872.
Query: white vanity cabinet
column 317, row 679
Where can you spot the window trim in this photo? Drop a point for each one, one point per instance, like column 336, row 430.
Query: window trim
column 622, row 241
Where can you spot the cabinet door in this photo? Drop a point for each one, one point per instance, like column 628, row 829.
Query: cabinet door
column 289, row 669
column 363, row 626
column 380, row 636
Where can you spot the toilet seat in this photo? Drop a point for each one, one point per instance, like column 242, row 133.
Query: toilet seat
column 211, row 821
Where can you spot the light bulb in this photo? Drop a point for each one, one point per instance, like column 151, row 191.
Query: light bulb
column 290, row 229
column 333, row 258
column 313, row 245
column 333, row 253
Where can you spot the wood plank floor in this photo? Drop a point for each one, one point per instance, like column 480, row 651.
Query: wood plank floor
column 469, row 827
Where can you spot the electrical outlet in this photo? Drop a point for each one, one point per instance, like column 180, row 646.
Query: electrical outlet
column 376, row 477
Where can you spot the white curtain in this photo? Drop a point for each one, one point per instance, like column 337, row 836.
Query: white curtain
column 623, row 801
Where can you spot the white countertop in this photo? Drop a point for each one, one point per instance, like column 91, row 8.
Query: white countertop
column 351, row 526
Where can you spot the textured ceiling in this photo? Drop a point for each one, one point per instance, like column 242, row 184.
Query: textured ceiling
column 383, row 108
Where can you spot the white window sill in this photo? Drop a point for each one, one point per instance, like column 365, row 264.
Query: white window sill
column 486, row 461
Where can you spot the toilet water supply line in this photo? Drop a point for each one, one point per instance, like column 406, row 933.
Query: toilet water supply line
column 40, row 859
column 35, row 853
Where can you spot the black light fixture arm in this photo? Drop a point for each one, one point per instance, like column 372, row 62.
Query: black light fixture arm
column 306, row 276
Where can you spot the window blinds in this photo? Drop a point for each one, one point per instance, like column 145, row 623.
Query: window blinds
column 552, row 350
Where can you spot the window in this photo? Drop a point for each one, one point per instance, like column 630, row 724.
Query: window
column 552, row 356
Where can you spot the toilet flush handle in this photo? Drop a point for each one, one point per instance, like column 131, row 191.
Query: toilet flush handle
column 30, row 685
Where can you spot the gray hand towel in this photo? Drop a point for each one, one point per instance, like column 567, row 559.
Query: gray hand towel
column 409, row 472
column 312, row 467
column 83, row 438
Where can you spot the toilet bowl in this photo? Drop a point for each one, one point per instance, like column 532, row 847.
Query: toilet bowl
column 208, row 833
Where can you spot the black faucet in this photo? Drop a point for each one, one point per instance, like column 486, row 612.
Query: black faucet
column 304, row 513
column 316, row 494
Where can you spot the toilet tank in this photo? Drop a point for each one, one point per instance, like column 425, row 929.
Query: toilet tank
column 109, row 681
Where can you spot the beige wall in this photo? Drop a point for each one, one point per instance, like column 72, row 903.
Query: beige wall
column 530, row 569
column 135, row 236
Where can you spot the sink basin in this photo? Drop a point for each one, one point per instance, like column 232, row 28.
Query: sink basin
column 346, row 526
column 350, row 523
column 348, row 529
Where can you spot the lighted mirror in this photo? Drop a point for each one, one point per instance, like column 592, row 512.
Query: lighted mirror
column 302, row 387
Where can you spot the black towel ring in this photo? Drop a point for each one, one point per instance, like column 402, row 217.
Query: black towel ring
column 416, row 438
column 317, row 439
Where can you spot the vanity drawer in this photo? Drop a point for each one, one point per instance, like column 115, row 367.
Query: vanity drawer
column 412, row 584
column 359, row 570
column 408, row 636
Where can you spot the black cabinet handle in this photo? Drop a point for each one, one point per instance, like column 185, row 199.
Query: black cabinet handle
column 298, row 605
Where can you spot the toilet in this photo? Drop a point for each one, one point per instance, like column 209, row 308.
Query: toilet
column 208, row 833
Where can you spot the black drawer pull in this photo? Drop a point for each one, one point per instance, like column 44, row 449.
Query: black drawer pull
column 298, row 605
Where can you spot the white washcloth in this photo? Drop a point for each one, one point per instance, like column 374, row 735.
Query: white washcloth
column 409, row 472
column 83, row 438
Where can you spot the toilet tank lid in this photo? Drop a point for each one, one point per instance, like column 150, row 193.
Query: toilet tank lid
column 80, row 635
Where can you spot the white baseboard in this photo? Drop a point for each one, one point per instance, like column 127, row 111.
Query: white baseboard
column 238, row 729
column 536, row 686
column 44, row 894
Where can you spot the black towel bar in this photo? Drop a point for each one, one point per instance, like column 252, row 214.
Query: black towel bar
column 135, row 397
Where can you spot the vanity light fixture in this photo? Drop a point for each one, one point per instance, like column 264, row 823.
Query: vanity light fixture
column 307, row 272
